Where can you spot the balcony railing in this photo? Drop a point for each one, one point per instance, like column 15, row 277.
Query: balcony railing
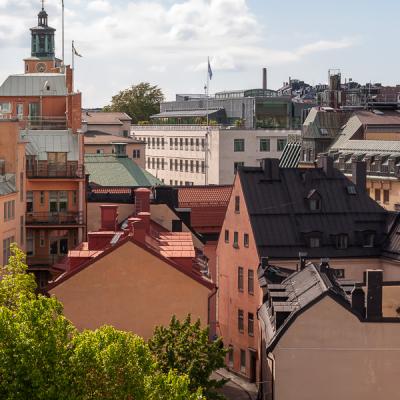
column 45, row 123
column 55, row 171
column 54, row 218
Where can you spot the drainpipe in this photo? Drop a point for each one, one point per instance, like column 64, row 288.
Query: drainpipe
column 210, row 296
column 272, row 376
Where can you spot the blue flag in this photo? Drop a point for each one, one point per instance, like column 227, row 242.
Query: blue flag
column 210, row 73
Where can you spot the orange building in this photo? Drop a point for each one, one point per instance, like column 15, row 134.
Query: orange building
column 49, row 114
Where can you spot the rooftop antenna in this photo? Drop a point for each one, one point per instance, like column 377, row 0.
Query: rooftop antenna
column 42, row 5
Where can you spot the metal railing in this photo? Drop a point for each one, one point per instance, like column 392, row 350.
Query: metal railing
column 54, row 218
column 55, row 171
column 44, row 123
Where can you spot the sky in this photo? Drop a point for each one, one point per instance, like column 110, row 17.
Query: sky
column 167, row 42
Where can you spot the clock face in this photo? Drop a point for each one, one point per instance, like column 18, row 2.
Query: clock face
column 41, row 67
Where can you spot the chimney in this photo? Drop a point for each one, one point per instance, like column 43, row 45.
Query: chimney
column 264, row 262
column 324, row 266
column 358, row 300
column 142, row 200
column 270, row 167
column 374, row 294
column 303, row 260
column 132, row 226
column 359, row 175
column 109, row 217
column 326, row 163
column 264, row 86
column 141, row 226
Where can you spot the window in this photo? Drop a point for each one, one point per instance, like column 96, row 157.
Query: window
column 162, row 143
column 186, row 165
column 250, row 281
column 369, row 239
column 226, row 236
column 203, row 144
column 315, row 242
column 158, row 142
column 230, row 355
column 176, row 143
column 191, row 143
column 30, row 243
column 162, row 163
column 264, row 144
column 42, row 241
column 250, row 324
column 191, row 165
column 21, row 186
column 242, row 360
column 386, row 196
column 136, row 154
column 315, row 204
column 339, row 273
column 203, row 167
column 186, row 144
column 176, row 164
column 153, row 163
column 352, row 190
column 241, row 321
column 197, row 166
column 197, row 144
column 236, row 240
column 238, row 145
column 281, row 143
column 125, row 133
column 377, row 195
column 171, row 143
column 58, row 201
column 171, row 164
column 74, row 197
column 236, row 165
column 153, row 143
column 237, row 204
column 5, row 108
column 29, row 201
column 6, row 249
column 158, row 163
column 246, row 240
column 99, row 151
column 148, row 163
column 22, row 228
column 9, row 210
column 181, row 143
column 181, row 165
column 240, row 279
column 342, row 241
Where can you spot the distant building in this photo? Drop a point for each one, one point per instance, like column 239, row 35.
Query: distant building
column 12, row 189
column 113, row 123
column 97, row 142
column 178, row 156
column 324, row 340
column 134, row 277
column 283, row 213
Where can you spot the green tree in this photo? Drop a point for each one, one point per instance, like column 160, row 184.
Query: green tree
column 185, row 348
column 114, row 365
column 139, row 102
column 15, row 283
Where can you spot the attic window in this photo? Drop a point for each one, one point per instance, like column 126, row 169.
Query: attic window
column 342, row 241
column 369, row 239
column 351, row 190
column 315, row 204
column 324, row 131
column 315, row 242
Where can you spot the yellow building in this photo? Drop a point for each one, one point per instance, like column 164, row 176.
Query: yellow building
column 12, row 188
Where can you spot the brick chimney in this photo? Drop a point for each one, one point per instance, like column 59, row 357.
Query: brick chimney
column 100, row 240
column 142, row 200
column 374, row 294
column 141, row 226
column 109, row 218
column 326, row 163
column 359, row 175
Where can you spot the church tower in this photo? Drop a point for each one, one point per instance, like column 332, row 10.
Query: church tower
column 43, row 57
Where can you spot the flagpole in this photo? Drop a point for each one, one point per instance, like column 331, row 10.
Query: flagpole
column 73, row 56
column 63, row 44
column 208, row 121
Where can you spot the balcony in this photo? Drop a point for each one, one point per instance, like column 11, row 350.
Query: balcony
column 45, row 170
column 44, row 123
column 54, row 218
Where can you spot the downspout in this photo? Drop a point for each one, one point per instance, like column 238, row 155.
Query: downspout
column 210, row 296
column 272, row 376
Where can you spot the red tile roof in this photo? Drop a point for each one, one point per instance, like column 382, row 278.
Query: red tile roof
column 204, row 196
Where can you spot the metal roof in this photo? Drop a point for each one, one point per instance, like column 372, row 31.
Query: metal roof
column 186, row 113
column 34, row 85
column 116, row 171
column 42, row 142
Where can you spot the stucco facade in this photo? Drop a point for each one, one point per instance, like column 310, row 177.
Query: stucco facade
column 131, row 289
column 327, row 353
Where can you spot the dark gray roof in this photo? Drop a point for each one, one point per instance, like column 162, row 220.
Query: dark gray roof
column 282, row 220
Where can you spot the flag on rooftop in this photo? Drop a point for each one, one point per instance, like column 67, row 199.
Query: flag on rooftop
column 210, row 73
column 75, row 51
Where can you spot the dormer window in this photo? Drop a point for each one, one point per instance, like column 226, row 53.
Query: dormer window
column 342, row 241
column 314, row 200
column 119, row 149
column 314, row 242
column 369, row 239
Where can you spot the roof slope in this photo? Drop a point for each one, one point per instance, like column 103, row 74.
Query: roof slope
column 98, row 137
column 117, row 171
column 282, row 220
column 104, row 118
column 7, row 184
column 34, row 85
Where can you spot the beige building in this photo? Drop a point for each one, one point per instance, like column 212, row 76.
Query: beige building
column 12, row 188
column 103, row 143
column 113, row 123
column 326, row 341
column 177, row 153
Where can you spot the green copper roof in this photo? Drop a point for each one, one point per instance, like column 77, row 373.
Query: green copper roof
column 117, row 171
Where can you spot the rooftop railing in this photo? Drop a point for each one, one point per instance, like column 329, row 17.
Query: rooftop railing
column 55, row 171
column 54, row 218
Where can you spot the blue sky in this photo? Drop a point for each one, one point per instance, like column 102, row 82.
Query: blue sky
column 166, row 42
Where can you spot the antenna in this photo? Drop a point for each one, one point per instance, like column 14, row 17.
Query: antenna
column 42, row 5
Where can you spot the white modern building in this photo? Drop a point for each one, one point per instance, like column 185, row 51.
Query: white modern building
column 176, row 154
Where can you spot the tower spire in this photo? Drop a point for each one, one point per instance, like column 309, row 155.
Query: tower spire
column 42, row 5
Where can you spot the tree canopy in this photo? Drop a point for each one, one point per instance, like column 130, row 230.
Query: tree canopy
column 139, row 101
column 185, row 347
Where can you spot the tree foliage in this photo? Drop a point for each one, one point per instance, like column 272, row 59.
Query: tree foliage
column 139, row 102
column 185, row 347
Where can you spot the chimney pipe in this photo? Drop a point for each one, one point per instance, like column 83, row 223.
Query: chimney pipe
column 303, row 260
column 142, row 200
column 264, row 79
column 359, row 175
column 270, row 167
column 109, row 217
column 326, row 163
column 374, row 294
column 358, row 300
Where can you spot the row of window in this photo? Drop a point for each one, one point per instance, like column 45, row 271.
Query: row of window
column 58, row 200
column 250, row 322
column 235, row 242
column 193, row 166
column 192, row 144
column 9, row 210
column 341, row 241
column 6, row 249
column 377, row 195
column 180, row 183
column 264, row 145
column 242, row 358
column 250, row 280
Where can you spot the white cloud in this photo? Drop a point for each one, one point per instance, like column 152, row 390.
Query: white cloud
column 99, row 6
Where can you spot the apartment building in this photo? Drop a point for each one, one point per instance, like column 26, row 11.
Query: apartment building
column 195, row 155
column 49, row 117
column 12, row 188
